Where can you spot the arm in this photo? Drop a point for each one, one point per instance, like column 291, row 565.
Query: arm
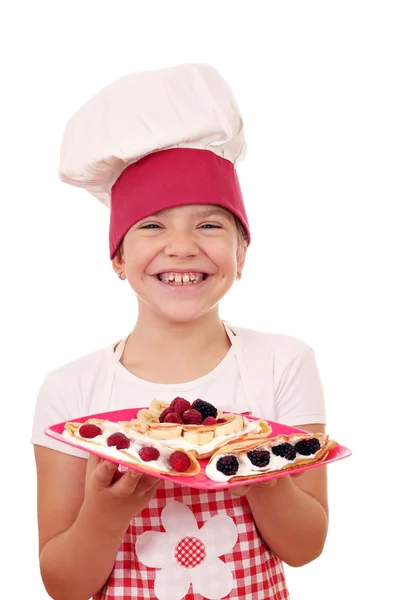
column 84, row 509
column 291, row 513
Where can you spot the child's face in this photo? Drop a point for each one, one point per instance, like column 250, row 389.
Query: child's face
column 182, row 261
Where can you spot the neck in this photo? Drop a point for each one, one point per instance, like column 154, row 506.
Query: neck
column 170, row 340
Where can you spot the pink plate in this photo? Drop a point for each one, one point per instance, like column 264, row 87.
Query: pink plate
column 200, row 481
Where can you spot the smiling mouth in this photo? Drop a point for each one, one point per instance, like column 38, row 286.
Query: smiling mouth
column 188, row 278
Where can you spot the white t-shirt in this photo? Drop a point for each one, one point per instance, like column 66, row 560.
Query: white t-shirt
column 281, row 371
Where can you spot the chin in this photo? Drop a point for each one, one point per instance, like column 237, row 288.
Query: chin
column 183, row 312
column 182, row 316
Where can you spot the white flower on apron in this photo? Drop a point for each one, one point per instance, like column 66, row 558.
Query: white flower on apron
column 186, row 555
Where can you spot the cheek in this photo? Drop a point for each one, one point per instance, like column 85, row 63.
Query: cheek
column 139, row 258
column 225, row 258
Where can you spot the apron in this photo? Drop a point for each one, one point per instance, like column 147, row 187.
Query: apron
column 192, row 544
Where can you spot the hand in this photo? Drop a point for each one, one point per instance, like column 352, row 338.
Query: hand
column 111, row 491
column 243, row 490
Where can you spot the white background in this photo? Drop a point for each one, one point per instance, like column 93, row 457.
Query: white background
column 318, row 85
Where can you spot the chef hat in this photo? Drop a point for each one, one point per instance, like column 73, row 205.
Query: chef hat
column 154, row 140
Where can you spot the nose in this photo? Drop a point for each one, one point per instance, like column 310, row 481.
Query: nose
column 181, row 244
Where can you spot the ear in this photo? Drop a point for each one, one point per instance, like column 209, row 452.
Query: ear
column 118, row 262
column 241, row 257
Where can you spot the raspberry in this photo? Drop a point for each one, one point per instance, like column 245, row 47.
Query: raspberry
column 180, row 406
column 221, row 420
column 285, row 451
column 192, row 417
column 173, row 418
column 149, row 453
column 307, row 446
column 175, row 400
column 259, row 457
column 179, row 461
column 164, row 413
column 90, row 431
column 119, row 440
column 205, row 408
column 228, row 464
column 209, row 421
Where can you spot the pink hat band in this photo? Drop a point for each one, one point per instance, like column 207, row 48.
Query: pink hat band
column 170, row 178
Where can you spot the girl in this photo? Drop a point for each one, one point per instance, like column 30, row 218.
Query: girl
column 160, row 148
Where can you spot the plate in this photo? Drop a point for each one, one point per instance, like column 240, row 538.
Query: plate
column 200, row 481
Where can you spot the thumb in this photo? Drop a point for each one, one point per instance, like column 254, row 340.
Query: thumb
column 104, row 473
column 239, row 491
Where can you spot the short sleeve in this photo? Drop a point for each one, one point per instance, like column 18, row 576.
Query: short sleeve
column 53, row 406
column 299, row 395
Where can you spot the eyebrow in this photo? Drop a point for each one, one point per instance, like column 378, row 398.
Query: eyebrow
column 216, row 210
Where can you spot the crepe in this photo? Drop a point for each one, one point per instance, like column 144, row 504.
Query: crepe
column 246, row 469
column 202, row 440
column 137, row 442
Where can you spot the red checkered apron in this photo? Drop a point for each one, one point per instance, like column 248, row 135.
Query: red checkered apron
column 257, row 573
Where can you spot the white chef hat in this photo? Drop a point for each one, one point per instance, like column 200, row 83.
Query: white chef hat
column 157, row 139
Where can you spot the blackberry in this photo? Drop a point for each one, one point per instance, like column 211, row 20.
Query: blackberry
column 307, row 446
column 259, row 458
column 205, row 408
column 228, row 464
column 285, row 450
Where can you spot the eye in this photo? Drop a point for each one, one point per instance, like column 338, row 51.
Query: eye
column 210, row 226
column 150, row 226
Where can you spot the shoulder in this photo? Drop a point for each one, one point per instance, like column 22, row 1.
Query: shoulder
column 67, row 392
column 80, row 370
column 279, row 345
column 284, row 367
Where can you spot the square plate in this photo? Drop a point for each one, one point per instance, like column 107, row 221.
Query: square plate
column 200, row 481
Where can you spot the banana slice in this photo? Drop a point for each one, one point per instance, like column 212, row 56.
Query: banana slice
column 192, row 437
column 145, row 415
column 234, row 424
column 164, row 431
column 136, row 425
column 205, row 437
column 158, row 406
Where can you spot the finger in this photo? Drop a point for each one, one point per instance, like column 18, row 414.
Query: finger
column 150, row 491
column 104, row 473
column 268, row 484
column 147, row 483
column 127, row 484
column 296, row 474
column 238, row 492
column 93, row 461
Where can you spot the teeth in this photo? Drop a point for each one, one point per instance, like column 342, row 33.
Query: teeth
column 181, row 278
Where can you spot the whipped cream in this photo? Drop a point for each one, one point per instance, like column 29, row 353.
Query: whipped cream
column 165, row 447
column 246, row 467
column 137, row 440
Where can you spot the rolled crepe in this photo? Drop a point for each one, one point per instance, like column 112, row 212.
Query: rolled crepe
column 130, row 454
column 247, row 469
column 203, row 440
